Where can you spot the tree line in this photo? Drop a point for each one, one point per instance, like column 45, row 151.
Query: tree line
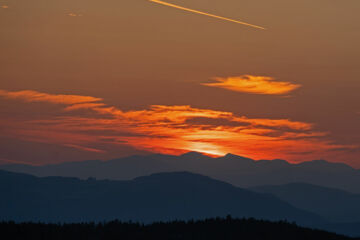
column 210, row 229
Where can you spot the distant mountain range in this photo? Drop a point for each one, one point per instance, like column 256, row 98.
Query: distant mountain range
column 172, row 196
column 166, row 196
column 333, row 204
column 239, row 171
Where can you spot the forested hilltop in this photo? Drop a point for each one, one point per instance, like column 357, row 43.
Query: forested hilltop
column 219, row 229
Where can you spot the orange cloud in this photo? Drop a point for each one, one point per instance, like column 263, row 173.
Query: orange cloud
column 34, row 96
column 168, row 129
column 74, row 14
column 84, row 106
column 5, row 6
column 254, row 84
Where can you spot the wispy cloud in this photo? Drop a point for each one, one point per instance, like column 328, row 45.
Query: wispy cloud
column 34, row 96
column 168, row 129
column 87, row 149
column 4, row 4
column 74, row 14
column 206, row 14
column 254, row 85
column 8, row 161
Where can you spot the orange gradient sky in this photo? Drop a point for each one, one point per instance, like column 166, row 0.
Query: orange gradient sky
column 87, row 124
column 83, row 79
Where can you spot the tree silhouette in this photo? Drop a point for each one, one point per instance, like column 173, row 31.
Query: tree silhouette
column 210, row 229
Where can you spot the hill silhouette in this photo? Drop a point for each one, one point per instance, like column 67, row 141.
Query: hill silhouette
column 159, row 197
column 237, row 170
column 340, row 207
column 335, row 205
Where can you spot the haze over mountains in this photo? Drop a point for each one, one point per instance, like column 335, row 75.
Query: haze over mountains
column 166, row 196
column 335, row 205
column 237, row 170
column 158, row 197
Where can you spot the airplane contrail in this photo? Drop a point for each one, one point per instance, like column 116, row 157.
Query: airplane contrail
column 206, row 14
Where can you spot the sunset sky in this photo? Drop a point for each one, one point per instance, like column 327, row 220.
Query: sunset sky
column 86, row 79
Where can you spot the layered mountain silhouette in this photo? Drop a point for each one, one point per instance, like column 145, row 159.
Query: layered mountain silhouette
column 237, row 170
column 165, row 196
column 336, row 205
column 340, row 207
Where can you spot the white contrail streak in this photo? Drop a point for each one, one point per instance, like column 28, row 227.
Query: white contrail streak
column 206, row 14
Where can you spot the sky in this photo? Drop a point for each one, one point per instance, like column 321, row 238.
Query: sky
column 86, row 79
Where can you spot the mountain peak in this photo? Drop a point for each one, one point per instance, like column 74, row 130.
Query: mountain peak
column 228, row 155
column 193, row 155
column 231, row 156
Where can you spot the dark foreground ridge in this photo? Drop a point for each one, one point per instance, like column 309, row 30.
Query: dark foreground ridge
column 219, row 228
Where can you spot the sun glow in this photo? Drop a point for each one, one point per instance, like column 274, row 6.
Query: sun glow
column 90, row 125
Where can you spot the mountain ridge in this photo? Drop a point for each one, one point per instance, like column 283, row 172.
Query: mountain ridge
column 239, row 171
column 157, row 197
column 334, row 204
